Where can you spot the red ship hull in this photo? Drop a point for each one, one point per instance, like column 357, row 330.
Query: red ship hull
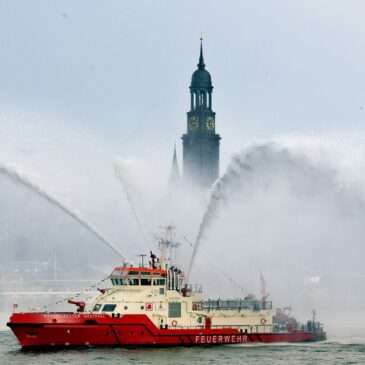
column 83, row 329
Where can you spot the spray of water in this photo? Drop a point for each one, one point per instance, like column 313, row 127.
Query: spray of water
column 120, row 173
column 212, row 262
column 270, row 171
column 21, row 178
column 218, row 195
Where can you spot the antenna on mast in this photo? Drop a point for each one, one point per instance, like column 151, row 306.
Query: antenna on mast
column 142, row 256
column 167, row 245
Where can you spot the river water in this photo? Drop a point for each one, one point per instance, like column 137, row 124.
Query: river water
column 349, row 350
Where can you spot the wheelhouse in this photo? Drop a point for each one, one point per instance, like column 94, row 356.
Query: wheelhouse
column 171, row 279
column 138, row 276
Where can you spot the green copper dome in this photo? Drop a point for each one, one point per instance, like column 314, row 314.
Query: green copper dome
column 201, row 80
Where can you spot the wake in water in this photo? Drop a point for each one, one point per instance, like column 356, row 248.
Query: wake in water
column 18, row 177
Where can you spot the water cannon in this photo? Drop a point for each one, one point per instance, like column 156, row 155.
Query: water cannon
column 185, row 291
column 80, row 304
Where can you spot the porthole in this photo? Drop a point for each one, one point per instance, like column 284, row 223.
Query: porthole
column 125, row 307
column 142, row 307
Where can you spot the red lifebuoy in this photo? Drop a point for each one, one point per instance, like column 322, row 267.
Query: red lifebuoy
column 174, row 323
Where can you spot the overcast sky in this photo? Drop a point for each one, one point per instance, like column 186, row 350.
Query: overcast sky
column 121, row 69
column 83, row 82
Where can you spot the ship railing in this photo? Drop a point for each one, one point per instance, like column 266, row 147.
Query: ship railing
column 277, row 328
column 195, row 288
column 261, row 328
column 312, row 327
column 235, row 304
column 241, row 328
column 293, row 325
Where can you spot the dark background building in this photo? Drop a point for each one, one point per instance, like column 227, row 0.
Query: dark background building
column 201, row 143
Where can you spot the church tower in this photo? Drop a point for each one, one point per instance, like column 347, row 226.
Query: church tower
column 174, row 179
column 201, row 143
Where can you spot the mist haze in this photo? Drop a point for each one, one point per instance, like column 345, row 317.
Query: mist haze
column 93, row 97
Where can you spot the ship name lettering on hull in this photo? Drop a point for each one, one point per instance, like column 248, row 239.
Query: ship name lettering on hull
column 221, row 339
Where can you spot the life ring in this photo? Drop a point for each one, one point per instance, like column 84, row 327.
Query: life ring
column 174, row 323
column 263, row 320
column 195, row 307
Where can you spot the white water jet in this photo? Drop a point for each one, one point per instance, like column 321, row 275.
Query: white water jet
column 269, row 174
column 217, row 195
column 120, row 174
column 18, row 177
column 226, row 275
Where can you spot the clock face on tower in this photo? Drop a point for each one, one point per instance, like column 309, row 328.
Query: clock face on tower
column 193, row 123
column 210, row 124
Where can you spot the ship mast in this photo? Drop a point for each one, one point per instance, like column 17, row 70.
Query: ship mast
column 167, row 246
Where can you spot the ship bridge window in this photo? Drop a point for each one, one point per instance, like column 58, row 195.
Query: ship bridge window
column 133, row 281
column 146, row 281
column 133, row 273
column 146, row 273
column 159, row 281
column 96, row 307
column 119, row 281
column 109, row 307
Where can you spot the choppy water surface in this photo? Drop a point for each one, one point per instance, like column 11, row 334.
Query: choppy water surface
column 347, row 351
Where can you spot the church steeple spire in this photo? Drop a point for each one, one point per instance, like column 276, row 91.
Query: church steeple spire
column 201, row 64
column 174, row 174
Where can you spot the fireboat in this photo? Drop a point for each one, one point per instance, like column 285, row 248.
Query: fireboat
column 153, row 305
